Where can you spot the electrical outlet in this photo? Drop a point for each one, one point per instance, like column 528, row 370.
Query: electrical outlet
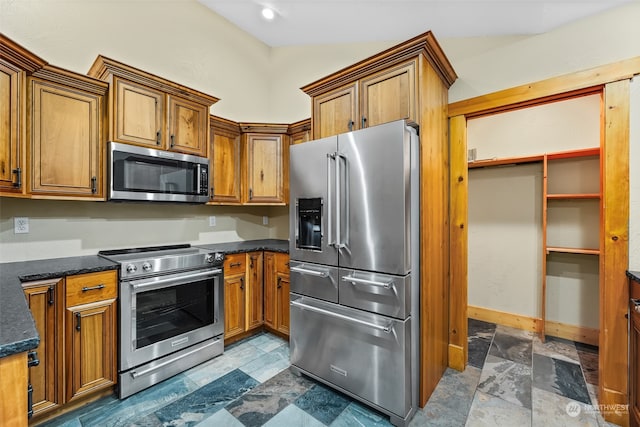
column 471, row 154
column 212, row 221
column 265, row 220
column 20, row 225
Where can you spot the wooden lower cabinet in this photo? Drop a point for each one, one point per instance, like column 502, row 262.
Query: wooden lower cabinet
column 76, row 318
column 13, row 389
column 46, row 304
column 634, row 354
column 254, row 297
column 242, row 293
column 90, row 348
column 276, row 292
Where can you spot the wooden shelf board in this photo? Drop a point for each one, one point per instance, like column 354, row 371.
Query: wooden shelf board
column 505, row 161
column 573, row 250
column 587, row 152
column 574, row 196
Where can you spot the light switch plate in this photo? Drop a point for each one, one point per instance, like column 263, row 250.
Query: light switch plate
column 265, row 220
column 212, row 221
column 20, row 225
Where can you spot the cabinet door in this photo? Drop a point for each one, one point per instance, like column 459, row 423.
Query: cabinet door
column 389, row 95
column 90, row 347
column 335, row 112
column 45, row 303
column 139, row 114
column 234, row 305
column 254, row 290
column 188, row 126
column 300, row 137
column 225, row 168
column 282, row 303
column 270, row 279
column 65, row 141
column 264, row 169
column 9, row 128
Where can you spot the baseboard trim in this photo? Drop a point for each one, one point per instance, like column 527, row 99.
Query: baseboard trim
column 457, row 357
column 518, row 321
column 581, row 334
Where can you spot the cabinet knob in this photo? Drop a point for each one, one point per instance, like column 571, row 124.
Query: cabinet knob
column 172, row 140
column 364, row 122
column 18, row 173
column 158, row 137
column 94, row 186
column 242, row 283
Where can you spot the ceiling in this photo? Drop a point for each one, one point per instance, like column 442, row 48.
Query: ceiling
column 308, row 22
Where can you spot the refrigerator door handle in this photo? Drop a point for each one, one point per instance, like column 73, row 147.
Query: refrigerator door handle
column 338, row 243
column 329, row 212
column 347, row 198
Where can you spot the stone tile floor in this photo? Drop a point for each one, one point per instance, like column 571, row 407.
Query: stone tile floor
column 512, row 379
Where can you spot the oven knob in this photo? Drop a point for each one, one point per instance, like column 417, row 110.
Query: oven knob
column 209, row 258
column 131, row 268
column 146, row 266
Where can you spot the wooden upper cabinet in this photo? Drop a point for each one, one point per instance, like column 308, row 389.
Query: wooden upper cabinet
column 188, row 126
column 300, row 131
column 225, row 155
column 389, row 95
column 379, row 89
column 9, row 130
column 335, row 112
column 66, row 135
column 139, row 114
column 148, row 110
column 264, row 159
column 15, row 64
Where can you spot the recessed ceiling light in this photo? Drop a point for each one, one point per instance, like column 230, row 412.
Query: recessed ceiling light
column 268, row 13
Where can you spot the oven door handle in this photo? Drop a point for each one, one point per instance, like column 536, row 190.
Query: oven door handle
column 176, row 279
column 136, row 374
column 329, row 313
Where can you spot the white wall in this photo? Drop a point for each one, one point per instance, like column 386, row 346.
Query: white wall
column 67, row 228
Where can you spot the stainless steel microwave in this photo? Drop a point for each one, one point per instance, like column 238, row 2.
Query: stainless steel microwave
column 145, row 174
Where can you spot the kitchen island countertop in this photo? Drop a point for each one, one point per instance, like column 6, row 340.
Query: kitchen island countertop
column 17, row 328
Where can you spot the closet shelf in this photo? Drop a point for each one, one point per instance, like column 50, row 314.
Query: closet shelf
column 573, row 250
column 561, row 196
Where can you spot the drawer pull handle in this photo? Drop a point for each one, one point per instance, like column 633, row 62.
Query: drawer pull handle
column 93, row 288
column 382, row 328
column 78, row 321
column 636, row 305
column 354, row 280
column 32, row 359
column 309, row 272
column 235, row 264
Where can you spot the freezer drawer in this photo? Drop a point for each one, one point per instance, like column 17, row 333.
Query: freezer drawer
column 379, row 293
column 319, row 281
column 363, row 353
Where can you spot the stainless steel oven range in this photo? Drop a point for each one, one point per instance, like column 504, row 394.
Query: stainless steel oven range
column 171, row 312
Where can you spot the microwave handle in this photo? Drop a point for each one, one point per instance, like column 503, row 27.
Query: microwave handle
column 198, row 180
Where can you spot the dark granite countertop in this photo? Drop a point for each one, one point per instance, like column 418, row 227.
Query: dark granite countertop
column 634, row 275
column 17, row 329
column 273, row 245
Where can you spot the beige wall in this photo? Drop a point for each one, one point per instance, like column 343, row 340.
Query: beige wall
column 634, row 178
column 185, row 42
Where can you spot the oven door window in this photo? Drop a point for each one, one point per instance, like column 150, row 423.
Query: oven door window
column 139, row 173
column 168, row 312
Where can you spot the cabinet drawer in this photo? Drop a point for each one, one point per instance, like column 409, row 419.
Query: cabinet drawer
column 91, row 287
column 282, row 263
column 234, row 264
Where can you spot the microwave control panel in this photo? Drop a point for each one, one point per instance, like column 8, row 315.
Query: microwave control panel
column 204, row 181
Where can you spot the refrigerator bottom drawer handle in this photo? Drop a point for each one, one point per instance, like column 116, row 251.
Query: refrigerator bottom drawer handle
column 386, row 285
column 382, row 328
column 309, row 272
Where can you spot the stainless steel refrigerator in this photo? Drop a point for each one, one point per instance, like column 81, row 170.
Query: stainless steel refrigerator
column 354, row 250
